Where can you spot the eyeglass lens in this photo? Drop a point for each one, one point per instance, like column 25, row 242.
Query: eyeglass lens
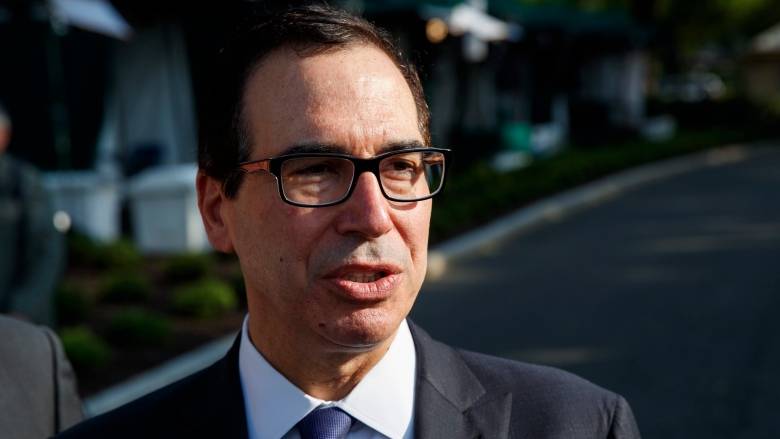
column 322, row 180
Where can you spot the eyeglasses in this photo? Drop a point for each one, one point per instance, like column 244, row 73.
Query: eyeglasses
column 325, row 179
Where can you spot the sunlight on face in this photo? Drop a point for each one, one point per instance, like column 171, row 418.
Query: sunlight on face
column 340, row 277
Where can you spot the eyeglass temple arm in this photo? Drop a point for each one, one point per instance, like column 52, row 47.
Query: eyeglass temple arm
column 260, row 165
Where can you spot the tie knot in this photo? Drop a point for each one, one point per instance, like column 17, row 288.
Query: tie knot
column 328, row 423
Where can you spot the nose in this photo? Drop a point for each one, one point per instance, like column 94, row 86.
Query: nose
column 366, row 212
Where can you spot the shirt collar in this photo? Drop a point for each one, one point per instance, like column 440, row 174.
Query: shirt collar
column 383, row 400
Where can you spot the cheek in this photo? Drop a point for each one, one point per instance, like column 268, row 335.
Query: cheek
column 288, row 235
column 257, row 231
column 421, row 224
column 413, row 227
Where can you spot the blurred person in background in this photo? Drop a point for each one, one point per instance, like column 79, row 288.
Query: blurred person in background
column 38, row 396
column 31, row 249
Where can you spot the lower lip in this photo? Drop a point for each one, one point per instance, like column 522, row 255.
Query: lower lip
column 365, row 291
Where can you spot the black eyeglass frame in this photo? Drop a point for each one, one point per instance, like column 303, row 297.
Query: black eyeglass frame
column 273, row 166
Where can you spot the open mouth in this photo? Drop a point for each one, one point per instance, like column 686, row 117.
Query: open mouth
column 364, row 277
column 364, row 282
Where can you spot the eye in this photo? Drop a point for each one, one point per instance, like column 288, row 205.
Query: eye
column 401, row 170
column 402, row 165
column 315, row 168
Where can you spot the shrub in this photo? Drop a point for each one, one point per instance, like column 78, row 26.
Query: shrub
column 139, row 327
column 124, row 287
column 119, row 254
column 72, row 303
column 204, row 299
column 84, row 349
column 82, row 250
column 187, row 267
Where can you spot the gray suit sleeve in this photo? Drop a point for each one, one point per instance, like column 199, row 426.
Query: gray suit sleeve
column 37, row 387
column 623, row 423
column 67, row 402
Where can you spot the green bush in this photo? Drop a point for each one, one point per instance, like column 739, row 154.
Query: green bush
column 84, row 251
column 125, row 287
column 187, row 267
column 72, row 303
column 84, row 349
column 121, row 254
column 138, row 328
column 81, row 249
column 204, row 299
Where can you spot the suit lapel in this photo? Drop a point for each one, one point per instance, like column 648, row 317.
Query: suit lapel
column 451, row 403
column 224, row 409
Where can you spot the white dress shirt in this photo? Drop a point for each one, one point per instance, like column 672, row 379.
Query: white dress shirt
column 382, row 404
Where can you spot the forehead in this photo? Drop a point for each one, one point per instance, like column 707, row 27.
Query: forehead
column 354, row 97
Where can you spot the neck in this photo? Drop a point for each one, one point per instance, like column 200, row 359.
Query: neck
column 320, row 370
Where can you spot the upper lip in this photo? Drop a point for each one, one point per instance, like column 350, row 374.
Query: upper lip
column 386, row 269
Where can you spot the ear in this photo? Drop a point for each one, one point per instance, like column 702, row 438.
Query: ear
column 212, row 203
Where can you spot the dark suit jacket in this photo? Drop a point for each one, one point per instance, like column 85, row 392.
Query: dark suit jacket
column 37, row 387
column 459, row 395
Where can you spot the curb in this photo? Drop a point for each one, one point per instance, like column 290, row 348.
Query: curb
column 548, row 210
column 555, row 207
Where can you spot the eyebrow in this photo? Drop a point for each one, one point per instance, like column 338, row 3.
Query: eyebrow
column 340, row 149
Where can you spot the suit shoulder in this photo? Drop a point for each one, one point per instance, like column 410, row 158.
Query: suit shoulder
column 14, row 330
column 546, row 388
column 505, row 373
column 149, row 416
column 26, row 346
column 546, row 399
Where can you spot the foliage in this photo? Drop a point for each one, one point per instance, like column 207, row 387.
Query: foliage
column 125, row 287
column 72, row 303
column 138, row 327
column 697, row 22
column 187, row 267
column 204, row 299
column 120, row 254
column 84, row 251
column 588, row 5
column 84, row 349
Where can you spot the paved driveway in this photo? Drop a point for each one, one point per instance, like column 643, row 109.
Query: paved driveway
column 668, row 294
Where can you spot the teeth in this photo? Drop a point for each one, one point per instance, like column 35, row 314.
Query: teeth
column 363, row 277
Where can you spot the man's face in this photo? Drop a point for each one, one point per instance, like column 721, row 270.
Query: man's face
column 341, row 277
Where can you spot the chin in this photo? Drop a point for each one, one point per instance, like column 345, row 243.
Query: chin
column 361, row 330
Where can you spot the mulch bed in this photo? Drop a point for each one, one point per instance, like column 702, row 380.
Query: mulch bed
column 127, row 362
column 185, row 333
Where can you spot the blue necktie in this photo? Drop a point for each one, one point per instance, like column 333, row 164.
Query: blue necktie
column 328, row 423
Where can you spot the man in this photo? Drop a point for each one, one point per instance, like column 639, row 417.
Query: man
column 38, row 397
column 317, row 174
column 31, row 249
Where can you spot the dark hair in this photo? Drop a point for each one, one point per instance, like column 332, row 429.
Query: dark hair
column 308, row 30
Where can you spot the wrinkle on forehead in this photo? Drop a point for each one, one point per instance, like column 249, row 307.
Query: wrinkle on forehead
column 356, row 97
column 334, row 101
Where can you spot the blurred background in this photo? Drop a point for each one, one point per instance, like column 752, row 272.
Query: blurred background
column 665, row 293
